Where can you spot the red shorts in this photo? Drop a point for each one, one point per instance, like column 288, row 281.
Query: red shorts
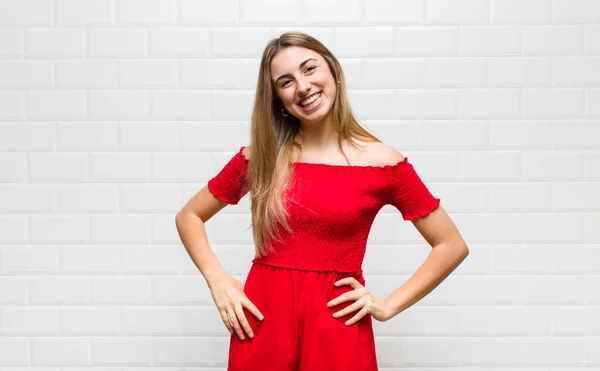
column 298, row 331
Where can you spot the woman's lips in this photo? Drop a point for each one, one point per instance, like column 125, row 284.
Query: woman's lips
column 315, row 104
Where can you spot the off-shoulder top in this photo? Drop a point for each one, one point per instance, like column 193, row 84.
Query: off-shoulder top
column 331, row 209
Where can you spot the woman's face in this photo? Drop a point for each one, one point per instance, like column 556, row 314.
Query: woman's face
column 304, row 83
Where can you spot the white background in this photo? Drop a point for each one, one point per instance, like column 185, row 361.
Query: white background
column 113, row 113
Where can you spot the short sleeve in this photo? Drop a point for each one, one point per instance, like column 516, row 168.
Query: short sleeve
column 230, row 184
column 405, row 190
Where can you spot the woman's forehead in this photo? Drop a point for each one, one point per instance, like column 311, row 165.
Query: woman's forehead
column 288, row 60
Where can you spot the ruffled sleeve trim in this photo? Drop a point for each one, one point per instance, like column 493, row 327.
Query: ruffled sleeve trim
column 405, row 190
column 229, row 185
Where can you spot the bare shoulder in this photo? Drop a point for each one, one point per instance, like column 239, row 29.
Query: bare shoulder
column 381, row 154
column 246, row 152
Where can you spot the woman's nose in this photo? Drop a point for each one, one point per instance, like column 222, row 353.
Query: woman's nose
column 303, row 87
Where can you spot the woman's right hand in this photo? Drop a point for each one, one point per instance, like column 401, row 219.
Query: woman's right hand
column 228, row 294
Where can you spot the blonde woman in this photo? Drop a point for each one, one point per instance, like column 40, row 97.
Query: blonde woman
column 316, row 179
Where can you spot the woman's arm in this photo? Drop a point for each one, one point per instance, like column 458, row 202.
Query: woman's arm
column 448, row 251
column 190, row 226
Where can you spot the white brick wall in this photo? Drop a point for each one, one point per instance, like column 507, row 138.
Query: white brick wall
column 113, row 113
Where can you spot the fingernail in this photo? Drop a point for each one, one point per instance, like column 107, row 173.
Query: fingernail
column 335, row 314
column 251, row 335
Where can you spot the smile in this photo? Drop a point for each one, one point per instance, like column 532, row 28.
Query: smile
column 311, row 101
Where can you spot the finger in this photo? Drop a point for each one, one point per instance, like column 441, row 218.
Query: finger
column 350, row 295
column 349, row 281
column 253, row 309
column 363, row 312
column 225, row 319
column 235, row 323
column 350, row 308
column 243, row 321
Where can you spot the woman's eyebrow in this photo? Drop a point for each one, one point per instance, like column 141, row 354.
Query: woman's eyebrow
column 299, row 67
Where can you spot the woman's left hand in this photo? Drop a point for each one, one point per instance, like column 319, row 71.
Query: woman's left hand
column 377, row 308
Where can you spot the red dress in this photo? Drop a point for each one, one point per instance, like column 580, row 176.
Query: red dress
column 331, row 210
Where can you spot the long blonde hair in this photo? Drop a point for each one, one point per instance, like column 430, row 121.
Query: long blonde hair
column 272, row 139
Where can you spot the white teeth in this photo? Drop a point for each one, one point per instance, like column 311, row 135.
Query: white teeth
column 310, row 100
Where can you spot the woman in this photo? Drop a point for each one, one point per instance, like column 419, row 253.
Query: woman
column 317, row 179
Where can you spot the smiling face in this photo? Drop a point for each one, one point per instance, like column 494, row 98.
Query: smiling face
column 304, row 83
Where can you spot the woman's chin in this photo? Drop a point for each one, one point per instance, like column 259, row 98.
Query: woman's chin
column 314, row 116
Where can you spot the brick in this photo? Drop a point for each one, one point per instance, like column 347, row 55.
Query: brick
column 520, row 135
column 118, row 42
column 223, row 103
column 60, row 291
column 13, row 229
column 576, row 134
column 458, row 12
column 457, row 72
column 55, row 43
column 26, row 13
column 395, row 12
column 124, row 167
column 158, row 136
column 90, row 321
column 520, row 321
column 330, row 12
column 576, row 71
column 238, row 42
column 146, row 12
column 209, row 12
column 429, row 41
column 553, row 40
column 147, row 74
column 490, row 40
column 394, row 73
column 90, row 13
column 86, row 74
column 576, row 11
column 28, row 136
column 553, row 166
column 26, row 74
column 149, row 198
column 58, row 167
column 56, row 105
column 56, row 228
column 12, row 43
column 178, row 42
column 89, row 136
column 152, row 321
column 120, row 229
column 521, row 11
column 263, row 12
column 592, row 37
column 90, row 260
column 119, row 105
column 30, row 198
column 488, row 103
column 180, row 105
column 29, row 260
column 371, row 42
column 12, row 106
column 30, row 321
column 519, row 72
column 15, row 352
column 553, row 103
column 14, row 291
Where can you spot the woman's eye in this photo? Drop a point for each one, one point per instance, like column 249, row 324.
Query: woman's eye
column 309, row 68
column 284, row 83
